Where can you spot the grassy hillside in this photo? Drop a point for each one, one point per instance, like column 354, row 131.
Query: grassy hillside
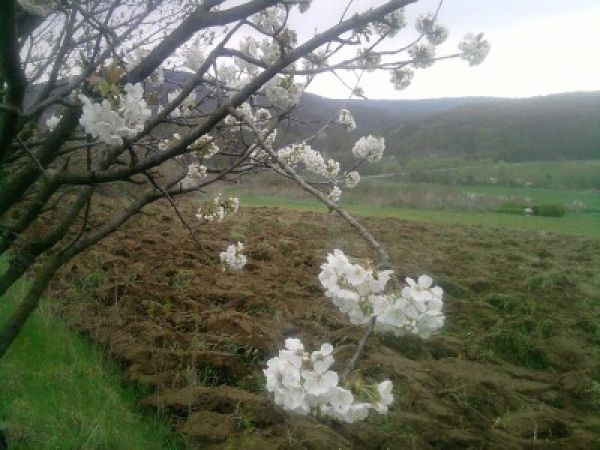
column 60, row 392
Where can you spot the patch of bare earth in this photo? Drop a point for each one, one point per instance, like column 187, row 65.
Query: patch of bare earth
column 515, row 367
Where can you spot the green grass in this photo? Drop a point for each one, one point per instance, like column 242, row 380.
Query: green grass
column 587, row 224
column 58, row 391
column 534, row 195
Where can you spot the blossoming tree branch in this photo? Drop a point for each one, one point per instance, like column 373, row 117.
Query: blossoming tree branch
column 170, row 97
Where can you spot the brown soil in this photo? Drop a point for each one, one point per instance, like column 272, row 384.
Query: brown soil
column 515, row 367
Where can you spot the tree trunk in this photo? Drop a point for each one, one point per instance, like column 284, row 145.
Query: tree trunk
column 11, row 329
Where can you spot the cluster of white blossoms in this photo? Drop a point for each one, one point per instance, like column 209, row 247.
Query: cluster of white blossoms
column 356, row 291
column 391, row 23
column 402, row 77
column 304, row 383
column 352, row 179
column 346, row 120
column 205, row 147
column 474, row 48
column 218, row 209
column 359, row 293
column 422, row 55
column 110, row 125
column 185, row 107
column 313, row 161
column 271, row 19
column 197, row 171
column 283, row 92
column 370, row 148
column 193, row 57
column 369, row 60
column 232, row 258
column 434, row 32
column 244, row 111
column 417, row 310
column 335, row 194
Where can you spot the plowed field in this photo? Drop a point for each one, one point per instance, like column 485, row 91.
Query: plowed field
column 516, row 366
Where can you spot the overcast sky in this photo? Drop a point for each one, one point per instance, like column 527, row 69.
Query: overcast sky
column 538, row 47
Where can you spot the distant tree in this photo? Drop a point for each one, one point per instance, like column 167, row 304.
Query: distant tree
column 86, row 101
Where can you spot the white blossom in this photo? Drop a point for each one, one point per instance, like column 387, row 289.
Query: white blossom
column 283, row 92
column 102, row 121
column 197, row 171
column 218, row 209
column 474, row 48
column 250, row 47
column 359, row 292
column 386, row 398
column 317, row 383
column 422, row 55
column 247, row 116
column 368, row 59
column 391, row 23
column 293, row 154
column 304, row 383
column 437, row 34
column 402, row 77
column 335, row 194
column 270, row 19
column 133, row 107
column 270, row 51
column 346, row 120
column 418, row 310
column 205, row 147
column 352, row 179
column 425, row 23
column 186, row 105
column 193, row 57
column 232, row 258
column 332, row 168
column 135, row 58
column 314, row 162
column 370, row 148
column 354, row 289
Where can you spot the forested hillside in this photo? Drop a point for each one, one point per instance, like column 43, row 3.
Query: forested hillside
column 555, row 127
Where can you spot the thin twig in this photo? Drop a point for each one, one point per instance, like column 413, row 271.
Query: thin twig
column 172, row 202
column 33, row 157
column 359, row 350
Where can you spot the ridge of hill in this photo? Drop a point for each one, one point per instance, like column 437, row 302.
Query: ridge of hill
column 553, row 127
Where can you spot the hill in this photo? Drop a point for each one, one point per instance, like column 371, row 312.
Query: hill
column 549, row 128
column 554, row 127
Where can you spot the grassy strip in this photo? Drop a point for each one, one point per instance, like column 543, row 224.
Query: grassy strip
column 58, row 391
column 586, row 224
